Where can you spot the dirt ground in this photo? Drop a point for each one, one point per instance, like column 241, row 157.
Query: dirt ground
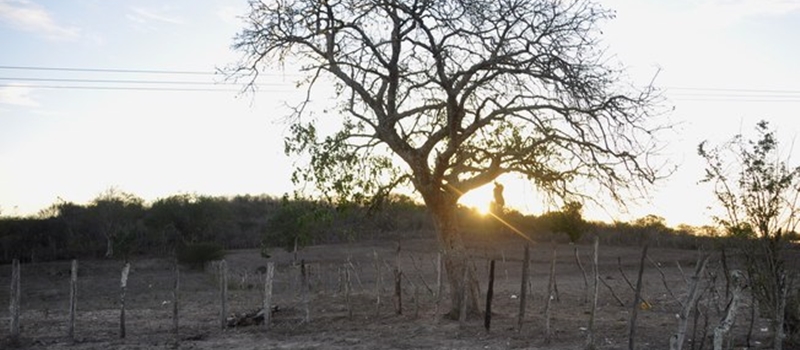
column 45, row 300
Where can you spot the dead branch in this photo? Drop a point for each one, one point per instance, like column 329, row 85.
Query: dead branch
column 627, row 281
column 677, row 340
column 585, row 280
column 613, row 294
column 683, row 275
column 420, row 274
column 664, row 281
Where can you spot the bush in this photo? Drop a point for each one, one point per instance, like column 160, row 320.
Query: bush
column 792, row 322
column 196, row 255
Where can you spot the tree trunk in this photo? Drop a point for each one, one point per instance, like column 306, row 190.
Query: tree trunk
column 456, row 259
column 738, row 281
column 780, row 313
column 109, row 247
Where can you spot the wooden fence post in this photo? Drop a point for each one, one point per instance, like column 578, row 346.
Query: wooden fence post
column 462, row 317
column 487, row 322
column 347, row 287
column 73, row 299
column 14, row 302
column 550, row 295
column 636, row 298
column 416, row 301
column 398, row 283
column 268, row 278
column 176, row 298
column 304, row 291
column 126, row 269
column 223, row 293
column 378, row 282
column 523, row 288
column 590, row 341
column 505, row 264
column 438, row 285
column 677, row 340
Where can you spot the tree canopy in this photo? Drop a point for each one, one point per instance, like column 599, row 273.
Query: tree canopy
column 758, row 192
column 447, row 95
column 461, row 92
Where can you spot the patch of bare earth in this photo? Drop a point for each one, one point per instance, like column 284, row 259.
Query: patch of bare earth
column 149, row 301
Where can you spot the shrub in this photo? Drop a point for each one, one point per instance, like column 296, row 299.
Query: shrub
column 196, row 255
column 792, row 322
column 568, row 221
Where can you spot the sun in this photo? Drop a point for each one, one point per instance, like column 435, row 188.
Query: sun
column 479, row 199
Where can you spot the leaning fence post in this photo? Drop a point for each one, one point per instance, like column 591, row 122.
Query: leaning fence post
column 123, row 288
column 73, row 298
column 14, row 305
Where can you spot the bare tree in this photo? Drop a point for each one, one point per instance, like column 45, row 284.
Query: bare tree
column 447, row 95
column 759, row 193
column 115, row 214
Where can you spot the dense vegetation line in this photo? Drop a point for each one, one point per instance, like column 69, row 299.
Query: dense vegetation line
column 118, row 225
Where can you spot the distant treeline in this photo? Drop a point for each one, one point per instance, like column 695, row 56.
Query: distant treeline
column 118, row 225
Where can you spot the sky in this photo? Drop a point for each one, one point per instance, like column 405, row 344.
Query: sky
column 179, row 128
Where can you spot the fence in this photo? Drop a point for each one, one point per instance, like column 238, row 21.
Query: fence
column 156, row 298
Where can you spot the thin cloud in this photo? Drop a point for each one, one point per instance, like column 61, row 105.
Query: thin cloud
column 26, row 16
column 729, row 12
column 144, row 16
column 17, row 95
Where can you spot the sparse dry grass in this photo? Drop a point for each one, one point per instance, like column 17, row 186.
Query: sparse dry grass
column 46, row 287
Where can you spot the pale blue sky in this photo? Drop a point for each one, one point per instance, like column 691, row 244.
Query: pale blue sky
column 75, row 143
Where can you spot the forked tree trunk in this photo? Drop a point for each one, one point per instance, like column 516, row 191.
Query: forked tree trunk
column 456, row 259
column 738, row 281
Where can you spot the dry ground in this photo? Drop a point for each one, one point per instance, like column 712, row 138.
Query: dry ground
column 46, row 293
